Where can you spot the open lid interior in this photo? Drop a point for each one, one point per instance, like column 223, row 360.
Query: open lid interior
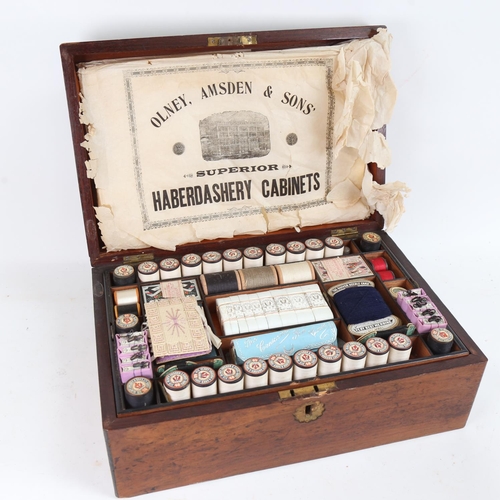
column 184, row 139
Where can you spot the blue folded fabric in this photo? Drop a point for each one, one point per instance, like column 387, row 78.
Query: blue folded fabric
column 360, row 304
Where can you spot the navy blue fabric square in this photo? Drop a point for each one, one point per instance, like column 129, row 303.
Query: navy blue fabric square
column 360, row 304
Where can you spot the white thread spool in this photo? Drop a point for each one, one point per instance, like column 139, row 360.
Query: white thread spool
column 253, row 257
column 148, row 271
column 232, row 259
column 203, row 382
column 315, row 249
column 256, row 373
column 400, row 348
column 170, row 268
column 329, row 359
column 377, row 351
column 230, row 378
column 212, row 262
column 334, row 247
column 295, row 251
column 177, row 386
column 275, row 254
column 280, row 368
column 354, row 356
column 305, row 364
column 126, row 297
column 191, row 265
column 295, row 272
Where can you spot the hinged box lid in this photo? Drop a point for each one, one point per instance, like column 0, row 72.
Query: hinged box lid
column 184, row 139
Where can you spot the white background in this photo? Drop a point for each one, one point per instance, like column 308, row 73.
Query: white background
column 444, row 138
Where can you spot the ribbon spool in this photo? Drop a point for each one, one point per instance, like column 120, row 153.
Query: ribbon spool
column 203, row 382
column 232, row 259
column 258, row 277
column 218, row 283
column 280, row 368
column 295, row 272
column 170, row 268
column 275, row 254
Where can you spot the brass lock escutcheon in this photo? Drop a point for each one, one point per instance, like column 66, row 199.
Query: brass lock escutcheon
column 313, row 407
column 309, row 412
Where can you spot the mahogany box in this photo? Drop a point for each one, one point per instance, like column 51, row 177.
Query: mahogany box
column 169, row 444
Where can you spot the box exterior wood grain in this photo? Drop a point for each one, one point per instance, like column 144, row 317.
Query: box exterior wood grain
column 169, row 445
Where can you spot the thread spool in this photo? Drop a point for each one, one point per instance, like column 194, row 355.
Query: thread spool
column 138, row 392
column 191, row 265
column 329, row 359
column 275, row 254
column 280, row 368
column 148, row 271
column 126, row 301
column 218, row 283
column 354, row 356
column 295, row 272
column 177, row 386
column 377, row 351
column 399, row 348
column 256, row 373
column 253, row 257
column 295, row 251
column 230, row 378
column 305, row 364
column 126, row 323
column 379, row 264
column 123, row 275
column 334, row 246
column 203, row 382
column 315, row 249
column 212, row 262
column 370, row 242
column 258, row 277
column 170, row 268
column 232, row 259
column 126, row 297
column 440, row 340
column 386, row 275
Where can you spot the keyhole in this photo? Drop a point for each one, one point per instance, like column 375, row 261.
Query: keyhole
column 308, row 410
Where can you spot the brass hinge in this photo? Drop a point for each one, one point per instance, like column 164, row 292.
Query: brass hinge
column 217, row 41
column 346, row 233
column 309, row 391
column 135, row 259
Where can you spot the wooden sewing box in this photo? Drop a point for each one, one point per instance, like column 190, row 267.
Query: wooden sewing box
column 168, row 445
